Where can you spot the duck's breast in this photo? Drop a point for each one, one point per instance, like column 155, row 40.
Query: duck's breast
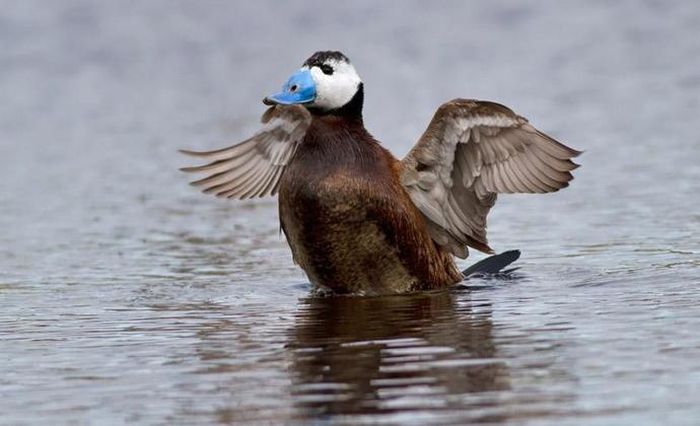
column 350, row 224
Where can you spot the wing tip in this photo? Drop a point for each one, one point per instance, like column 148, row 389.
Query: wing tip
column 190, row 169
column 481, row 246
column 572, row 153
column 191, row 153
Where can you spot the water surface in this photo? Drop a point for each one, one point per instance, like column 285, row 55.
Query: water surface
column 125, row 296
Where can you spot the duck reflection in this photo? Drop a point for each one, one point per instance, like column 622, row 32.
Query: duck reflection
column 353, row 355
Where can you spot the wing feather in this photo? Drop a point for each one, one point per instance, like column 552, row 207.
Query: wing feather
column 253, row 168
column 471, row 151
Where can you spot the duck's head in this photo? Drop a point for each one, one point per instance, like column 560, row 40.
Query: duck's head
column 327, row 83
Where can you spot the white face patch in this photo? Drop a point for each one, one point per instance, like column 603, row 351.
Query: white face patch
column 335, row 90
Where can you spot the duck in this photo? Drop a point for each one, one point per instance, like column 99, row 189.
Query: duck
column 359, row 220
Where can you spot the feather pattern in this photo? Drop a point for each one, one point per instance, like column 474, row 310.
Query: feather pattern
column 471, row 151
column 253, row 168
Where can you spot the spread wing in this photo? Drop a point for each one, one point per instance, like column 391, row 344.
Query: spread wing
column 253, row 167
column 471, row 151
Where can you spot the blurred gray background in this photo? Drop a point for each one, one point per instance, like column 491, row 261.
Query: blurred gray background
column 112, row 269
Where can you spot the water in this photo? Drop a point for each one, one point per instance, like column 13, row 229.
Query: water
column 127, row 297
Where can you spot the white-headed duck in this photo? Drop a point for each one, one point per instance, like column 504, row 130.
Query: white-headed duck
column 357, row 219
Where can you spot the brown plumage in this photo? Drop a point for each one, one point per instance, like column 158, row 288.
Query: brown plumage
column 350, row 223
column 471, row 151
column 360, row 221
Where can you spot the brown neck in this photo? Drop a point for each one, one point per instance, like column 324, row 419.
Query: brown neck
column 333, row 140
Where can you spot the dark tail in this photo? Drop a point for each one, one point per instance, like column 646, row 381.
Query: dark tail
column 493, row 264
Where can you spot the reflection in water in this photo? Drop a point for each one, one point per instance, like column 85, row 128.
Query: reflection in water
column 437, row 357
column 380, row 355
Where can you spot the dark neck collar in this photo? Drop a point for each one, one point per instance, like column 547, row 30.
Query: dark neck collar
column 350, row 111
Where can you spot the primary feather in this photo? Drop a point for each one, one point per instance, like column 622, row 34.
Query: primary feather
column 253, row 167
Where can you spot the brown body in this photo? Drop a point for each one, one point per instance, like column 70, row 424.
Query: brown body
column 357, row 219
column 351, row 225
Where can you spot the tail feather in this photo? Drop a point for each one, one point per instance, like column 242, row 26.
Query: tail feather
column 493, row 264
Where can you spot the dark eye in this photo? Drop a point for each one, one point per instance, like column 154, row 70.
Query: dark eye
column 327, row 69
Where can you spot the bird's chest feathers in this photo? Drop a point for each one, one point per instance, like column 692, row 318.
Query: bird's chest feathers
column 335, row 171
